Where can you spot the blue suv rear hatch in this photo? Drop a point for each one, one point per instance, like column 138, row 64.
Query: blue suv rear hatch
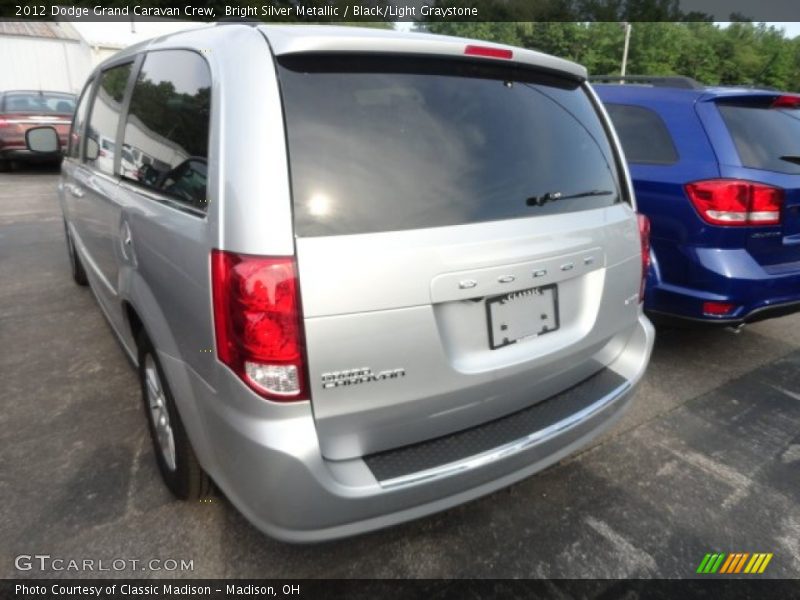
column 717, row 171
column 765, row 138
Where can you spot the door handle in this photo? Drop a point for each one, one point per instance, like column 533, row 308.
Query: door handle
column 75, row 191
column 126, row 246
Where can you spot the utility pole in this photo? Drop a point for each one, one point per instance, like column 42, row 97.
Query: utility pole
column 627, row 27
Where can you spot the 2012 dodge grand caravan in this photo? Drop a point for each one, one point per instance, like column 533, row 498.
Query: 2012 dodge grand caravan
column 365, row 275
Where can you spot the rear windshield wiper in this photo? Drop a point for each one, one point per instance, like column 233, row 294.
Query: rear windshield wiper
column 791, row 159
column 553, row 196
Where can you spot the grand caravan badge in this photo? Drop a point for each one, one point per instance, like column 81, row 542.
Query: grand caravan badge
column 336, row 379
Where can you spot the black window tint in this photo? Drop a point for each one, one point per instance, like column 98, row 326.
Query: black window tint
column 166, row 135
column 765, row 138
column 393, row 143
column 76, row 133
column 643, row 135
column 104, row 117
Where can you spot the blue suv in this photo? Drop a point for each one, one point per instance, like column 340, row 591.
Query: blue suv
column 717, row 171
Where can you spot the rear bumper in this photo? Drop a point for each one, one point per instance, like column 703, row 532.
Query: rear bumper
column 23, row 154
column 771, row 311
column 725, row 275
column 272, row 470
column 14, row 147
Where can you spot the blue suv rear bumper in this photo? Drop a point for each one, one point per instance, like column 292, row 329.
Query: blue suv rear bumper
column 726, row 275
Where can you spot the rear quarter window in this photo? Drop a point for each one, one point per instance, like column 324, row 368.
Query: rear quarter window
column 643, row 134
column 166, row 134
column 390, row 143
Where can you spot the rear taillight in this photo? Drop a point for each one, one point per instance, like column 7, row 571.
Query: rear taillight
column 734, row 202
column 488, row 52
column 4, row 123
column 258, row 322
column 644, row 236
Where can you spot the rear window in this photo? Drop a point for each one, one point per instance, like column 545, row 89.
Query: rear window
column 643, row 135
column 765, row 138
column 39, row 102
column 386, row 144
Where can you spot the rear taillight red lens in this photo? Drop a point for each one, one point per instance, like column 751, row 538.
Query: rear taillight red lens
column 258, row 322
column 488, row 52
column 644, row 236
column 734, row 202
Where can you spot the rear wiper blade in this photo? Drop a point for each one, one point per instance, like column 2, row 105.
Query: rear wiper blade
column 553, row 196
column 791, row 159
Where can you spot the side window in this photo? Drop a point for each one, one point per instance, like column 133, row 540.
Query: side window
column 76, row 133
column 165, row 146
column 104, row 118
column 643, row 134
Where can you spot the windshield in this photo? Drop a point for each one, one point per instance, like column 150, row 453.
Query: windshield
column 765, row 138
column 39, row 102
column 388, row 143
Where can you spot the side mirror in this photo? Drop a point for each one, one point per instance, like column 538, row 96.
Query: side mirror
column 42, row 140
column 92, row 149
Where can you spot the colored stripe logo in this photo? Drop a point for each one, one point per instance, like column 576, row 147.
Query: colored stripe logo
column 735, row 562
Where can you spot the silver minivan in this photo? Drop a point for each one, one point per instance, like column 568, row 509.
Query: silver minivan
column 365, row 275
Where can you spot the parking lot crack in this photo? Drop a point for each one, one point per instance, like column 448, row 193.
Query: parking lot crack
column 629, row 554
column 789, row 393
column 740, row 483
column 133, row 484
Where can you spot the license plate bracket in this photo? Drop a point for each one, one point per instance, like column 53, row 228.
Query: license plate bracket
column 521, row 315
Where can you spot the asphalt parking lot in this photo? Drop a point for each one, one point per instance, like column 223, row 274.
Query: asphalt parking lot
column 707, row 459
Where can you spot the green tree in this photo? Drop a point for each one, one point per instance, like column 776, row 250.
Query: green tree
column 744, row 53
column 501, row 33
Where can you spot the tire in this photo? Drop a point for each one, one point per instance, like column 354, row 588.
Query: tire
column 176, row 459
column 5, row 166
column 78, row 272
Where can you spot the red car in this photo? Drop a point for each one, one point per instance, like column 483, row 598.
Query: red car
column 21, row 110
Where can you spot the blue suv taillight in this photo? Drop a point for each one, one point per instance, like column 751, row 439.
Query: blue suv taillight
column 733, row 202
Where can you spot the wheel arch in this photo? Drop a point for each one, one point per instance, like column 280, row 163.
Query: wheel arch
column 144, row 317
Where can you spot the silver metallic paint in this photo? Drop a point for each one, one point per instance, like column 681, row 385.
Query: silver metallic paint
column 295, row 469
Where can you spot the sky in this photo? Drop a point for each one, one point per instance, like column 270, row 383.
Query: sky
column 791, row 28
column 119, row 33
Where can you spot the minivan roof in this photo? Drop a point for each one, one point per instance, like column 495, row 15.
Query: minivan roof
column 290, row 39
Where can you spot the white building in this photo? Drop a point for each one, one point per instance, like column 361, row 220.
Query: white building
column 58, row 56
column 43, row 56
